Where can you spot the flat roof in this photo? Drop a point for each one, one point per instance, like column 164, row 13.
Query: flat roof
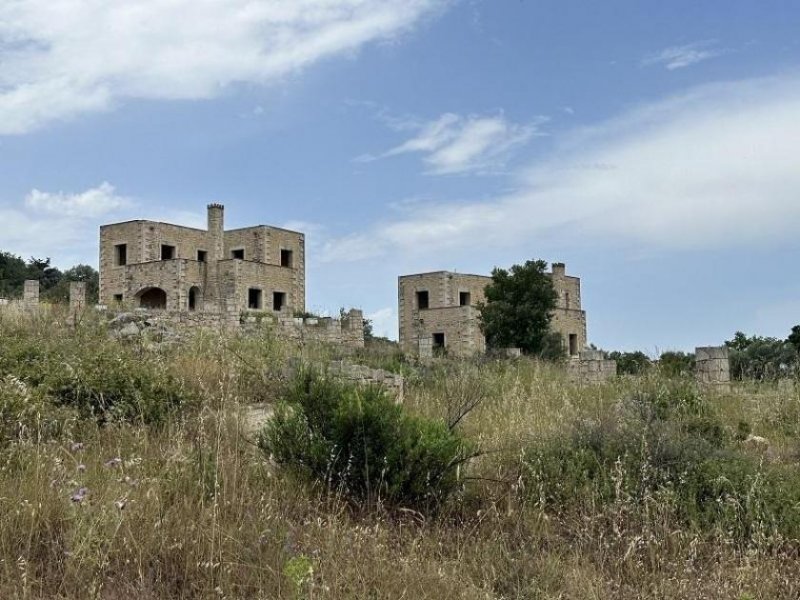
column 197, row 228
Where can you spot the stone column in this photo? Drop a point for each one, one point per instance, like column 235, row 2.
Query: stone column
column 77, row 296
column 30, row 296
column 712, row 365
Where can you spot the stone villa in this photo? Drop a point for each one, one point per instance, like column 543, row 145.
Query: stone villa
column 438, row 310
column 149, row 264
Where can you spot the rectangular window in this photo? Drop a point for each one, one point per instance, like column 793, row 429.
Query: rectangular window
column 167, row 252
column 286, row 258
column 201, row 255
column 254, row 298
column 573, row 344
column 464, row 298
column 278, row 300
column 438, row 341
column 239, row 253
column 118, row 298
column 422, row 300
column 121, row 254
column 566, row 299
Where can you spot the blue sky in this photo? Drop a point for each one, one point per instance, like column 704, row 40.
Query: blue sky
column 651, row 146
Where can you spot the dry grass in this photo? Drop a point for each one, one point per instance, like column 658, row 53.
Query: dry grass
column 190, row 509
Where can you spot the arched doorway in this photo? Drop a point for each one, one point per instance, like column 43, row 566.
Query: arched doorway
column 152, row 297
column 195, row 298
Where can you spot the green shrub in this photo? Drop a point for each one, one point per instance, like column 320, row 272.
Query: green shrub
column 100, row 378
column 667, row 444
column 359, row 442
column 24, row 416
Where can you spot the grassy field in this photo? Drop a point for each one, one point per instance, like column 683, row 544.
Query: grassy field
column 133, row 470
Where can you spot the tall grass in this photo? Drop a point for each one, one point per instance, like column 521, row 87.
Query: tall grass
column 188, row 507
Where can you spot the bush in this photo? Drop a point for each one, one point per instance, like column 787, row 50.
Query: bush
column 359, row 442
column 25, row 416
column 99, row 378
column 667, row 444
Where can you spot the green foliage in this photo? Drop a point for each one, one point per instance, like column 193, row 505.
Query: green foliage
column 101, row 379
column 794, row 338
column 359, row 442
column 761, row 358
column 53, row 284
column 518, row 308
column 631, row 363
column 676, row 364
column 668, row 446
column 24, row 415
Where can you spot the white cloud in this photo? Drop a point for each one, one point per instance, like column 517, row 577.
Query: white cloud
column 62, row 58
column 457, row 144
column 715, row 167
column 384, row 322
column 91, row 203
column 678, row 57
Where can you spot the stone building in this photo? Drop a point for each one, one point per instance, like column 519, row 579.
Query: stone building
column 438, row 311
column 157, row 265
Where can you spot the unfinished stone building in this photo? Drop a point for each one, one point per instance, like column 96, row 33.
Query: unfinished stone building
column 437, row 311
column 157, row 265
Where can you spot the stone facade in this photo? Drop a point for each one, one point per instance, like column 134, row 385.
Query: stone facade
column 77, row 296
column 712, row 365
column 591, row 367
column 147, row 264
column 437, row 311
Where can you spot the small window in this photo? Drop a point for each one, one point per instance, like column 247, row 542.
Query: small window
column 118, row 298
column 278, row 300
column 464, row 298
column 438, row 341
column 238, row 253
column 201, row 255
column 573, row 344
column 121, row 254
column 167, row 252
column 566, row 299
column 422, row 300
column 286, row 258
column 254, row 298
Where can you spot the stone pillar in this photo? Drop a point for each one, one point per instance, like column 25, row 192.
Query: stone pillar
column 77, row 296
column 30, row 296
column 712, row 365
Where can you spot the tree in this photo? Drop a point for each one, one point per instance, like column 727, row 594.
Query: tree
column 676, row 364
column 760, row 358
column 60, row 291
column 631, row 363
column 794, row 338
column 518, row 308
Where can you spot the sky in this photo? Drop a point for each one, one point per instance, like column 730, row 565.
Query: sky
column 651, row 146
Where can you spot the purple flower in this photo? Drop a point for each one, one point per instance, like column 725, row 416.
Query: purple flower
column 79, row 495
column 76, row 446
column 113, row 462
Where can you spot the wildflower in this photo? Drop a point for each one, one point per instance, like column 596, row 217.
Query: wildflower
column 81, row 467
column 120, row 504
column 76, row 446
column 79, row 495
column 113, row 462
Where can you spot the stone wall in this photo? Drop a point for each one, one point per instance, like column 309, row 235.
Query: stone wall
column 347, row 332
column 712, row 365
column 591, row 367
column 363, row 375
column 202, row 259
column 445, row 289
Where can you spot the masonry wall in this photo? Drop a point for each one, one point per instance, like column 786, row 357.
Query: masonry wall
column 222, row 284
column 444, row 292
column 460, row 324
column 712, row 365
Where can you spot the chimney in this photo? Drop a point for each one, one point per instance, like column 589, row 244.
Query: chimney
column 559, row 269
column 216, row 229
